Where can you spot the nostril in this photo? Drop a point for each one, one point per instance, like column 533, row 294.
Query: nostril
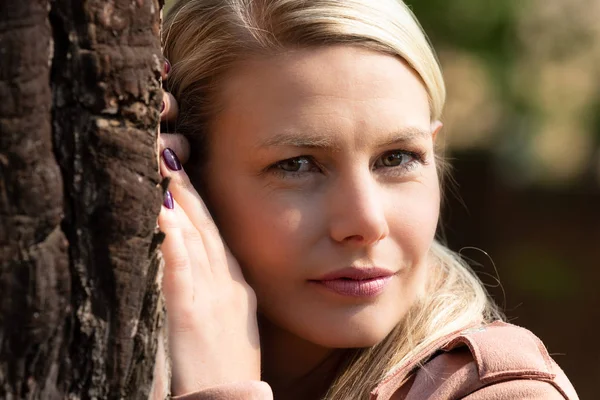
column 355, row 238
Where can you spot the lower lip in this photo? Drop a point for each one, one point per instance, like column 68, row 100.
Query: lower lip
column 356, row 288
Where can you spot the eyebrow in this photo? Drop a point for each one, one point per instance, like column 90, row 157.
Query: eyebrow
column 318, row 141
column 405, row 135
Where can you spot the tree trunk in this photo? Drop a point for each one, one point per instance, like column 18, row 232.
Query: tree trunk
column 80, row 305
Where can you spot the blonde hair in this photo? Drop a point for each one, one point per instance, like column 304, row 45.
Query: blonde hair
column 205, row 39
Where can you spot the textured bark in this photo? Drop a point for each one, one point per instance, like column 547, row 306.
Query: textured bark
column 80, row 308
column 34, row 265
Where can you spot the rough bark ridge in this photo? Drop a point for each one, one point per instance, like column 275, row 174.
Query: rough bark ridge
column 34, row 265
column 79, row 197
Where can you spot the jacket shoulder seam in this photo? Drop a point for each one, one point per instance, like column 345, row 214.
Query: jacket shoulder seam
column 494, row 346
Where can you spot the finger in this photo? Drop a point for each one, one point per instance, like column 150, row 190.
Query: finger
column 166, row 69
column 186, row 261
column 218, row 255
column 199, row 216
column 194, row 243
column 160, row 385
column 177, row 143
column 195, row 208
column 177, row 278
column 169, row 108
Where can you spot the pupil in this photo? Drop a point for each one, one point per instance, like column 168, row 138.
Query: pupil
column 393, row 159
column 292, row 165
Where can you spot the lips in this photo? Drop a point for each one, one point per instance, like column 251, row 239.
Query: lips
column 356, row 282
column 357, row 274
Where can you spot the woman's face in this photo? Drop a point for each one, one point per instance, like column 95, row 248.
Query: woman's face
column 322, row 178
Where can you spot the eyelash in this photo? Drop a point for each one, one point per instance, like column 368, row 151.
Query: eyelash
column 417, row 157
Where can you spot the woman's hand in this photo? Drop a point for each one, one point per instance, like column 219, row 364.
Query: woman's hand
column 211, row 310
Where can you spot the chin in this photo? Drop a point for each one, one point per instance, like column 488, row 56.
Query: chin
column 357, row 329
column 353, row 336
column 337, row 324
column 354, row 342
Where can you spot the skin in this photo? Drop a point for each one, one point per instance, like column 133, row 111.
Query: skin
column 321, row 159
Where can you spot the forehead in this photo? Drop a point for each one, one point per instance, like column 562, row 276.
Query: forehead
column 325, row 90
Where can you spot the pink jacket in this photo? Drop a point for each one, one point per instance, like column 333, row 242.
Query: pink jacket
column 498, row 361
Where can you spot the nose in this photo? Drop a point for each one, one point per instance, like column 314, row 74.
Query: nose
column 357, row 210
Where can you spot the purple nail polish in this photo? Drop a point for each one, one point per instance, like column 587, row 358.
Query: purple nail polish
column 168, row 201
column 171, row 159
column 167, row 67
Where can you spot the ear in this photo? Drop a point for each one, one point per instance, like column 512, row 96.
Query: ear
column 436, row 127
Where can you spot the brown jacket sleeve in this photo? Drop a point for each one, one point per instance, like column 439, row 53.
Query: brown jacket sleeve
column 499, row 361
column 517, row 389
column 250, row 390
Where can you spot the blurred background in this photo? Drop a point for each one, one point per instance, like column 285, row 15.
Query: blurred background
column 522, row 131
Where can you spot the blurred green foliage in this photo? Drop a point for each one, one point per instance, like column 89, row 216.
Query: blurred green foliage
column 539, row 86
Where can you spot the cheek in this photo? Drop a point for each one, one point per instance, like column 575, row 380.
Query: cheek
column 414, row 217
column 265, row 231
column 413, row 223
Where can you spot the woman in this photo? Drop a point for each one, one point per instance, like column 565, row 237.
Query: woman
column 312, row 129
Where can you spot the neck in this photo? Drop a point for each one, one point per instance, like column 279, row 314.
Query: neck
column 294, row 367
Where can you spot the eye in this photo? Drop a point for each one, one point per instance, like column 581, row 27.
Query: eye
column 301, row 167
column 297, row 164
column 395, row 158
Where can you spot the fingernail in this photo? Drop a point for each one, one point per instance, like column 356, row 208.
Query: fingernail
column 168, row 201
column 171, row 159
column 167, row 67
column 162, row 106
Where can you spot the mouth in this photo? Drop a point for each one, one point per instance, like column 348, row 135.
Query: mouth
column 356, row 282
